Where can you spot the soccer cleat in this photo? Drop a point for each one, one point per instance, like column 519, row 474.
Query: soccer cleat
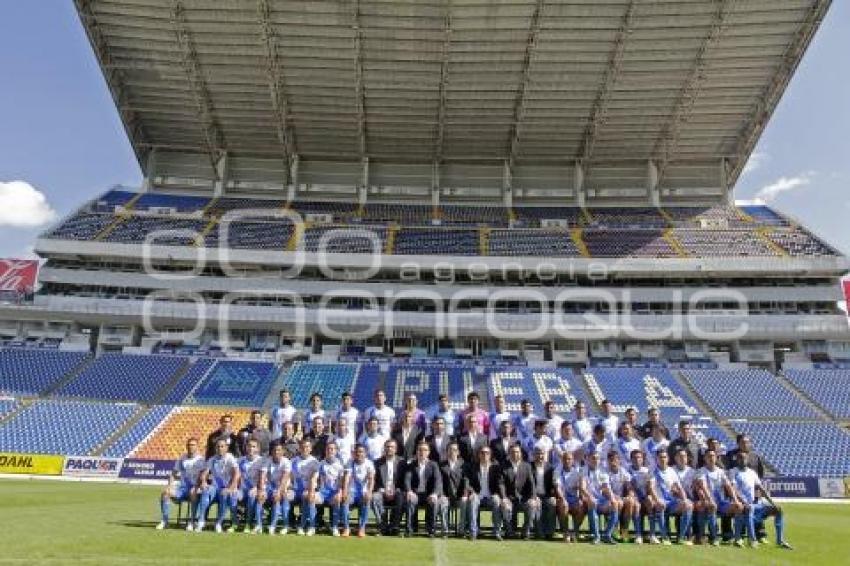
column 190, row 526
column 666, row 542
column 754, row 544
column 200, row 527
column 595, row 540
column 345, row 533
column 311, row 531
column 258, row 530
column 219, row 528
column 284, row 530
column 334, row 532
column 784, row 544
column 686, row 542
column 739, row 543
column 654, row 540
column 609, row 540
column 161, row 525
column 230, row 530
column 300, row 532
column 638, row 540
column 361, row 533
column 715, row 542
column 271, row 532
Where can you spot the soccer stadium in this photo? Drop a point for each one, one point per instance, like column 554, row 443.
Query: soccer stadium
column 493, row 226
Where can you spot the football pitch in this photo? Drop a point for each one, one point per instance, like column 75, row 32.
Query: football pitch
column 97, row 523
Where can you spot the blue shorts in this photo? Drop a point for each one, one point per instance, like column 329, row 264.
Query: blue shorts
column 181, row 492
column 761, row 511
column 245, row 493
column 355, row 497
column 723, row 506
column 572, row 499
column 327, row 493
column 601, row 502
column 670, row 505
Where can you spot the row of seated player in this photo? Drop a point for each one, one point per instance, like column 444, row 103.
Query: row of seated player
column 50, row 426
column 747, row 393
column 413, row 213
column 33, row 371
column 800, row 448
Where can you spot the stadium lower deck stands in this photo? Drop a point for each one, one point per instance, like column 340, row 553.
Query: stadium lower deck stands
column 146, row 406
column 447, row 230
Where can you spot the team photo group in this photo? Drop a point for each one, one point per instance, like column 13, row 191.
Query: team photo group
column 575, row 478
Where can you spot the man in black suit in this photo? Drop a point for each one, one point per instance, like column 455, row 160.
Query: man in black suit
column 541, row 506
column 389, row 481
column 408, row 437
column 439, row 440
column 223, row 432
column 519, row 488
column 423, row 486
column 501, row 445
column 472, row 440
column 485, row 488
column 454, row 486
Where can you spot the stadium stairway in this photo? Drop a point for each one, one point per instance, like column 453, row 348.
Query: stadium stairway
column 71, row 376
column 703, row 407
column 24, row 403
column 819, row 411
column 272, row 397
column 120, row 431
column 592, row 405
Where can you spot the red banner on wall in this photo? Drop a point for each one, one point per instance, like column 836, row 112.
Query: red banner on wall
column 18, row 275
column 846, row 286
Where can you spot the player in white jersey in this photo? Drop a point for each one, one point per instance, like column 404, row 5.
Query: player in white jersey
column 569, row 486
column 331, row 481
column 373, row 440
column 643, row 485
column 687, row 478
column 609, row 420
column 553, row 419
column 714, row 494
column 282, row 414
column 582, row 426
column 305, row 471
column 524, row 421
column 250, row 470
column 445, row 412
column 621, row 486
column 347, row 412
column 344, row 442
column 359, row 484
column 749, row 488
column 597, row 442
column 385, row 415
column 671, row 494
column 182, row 484
column 652, row 445
column 626, row 443
column 601, row 500
column 219, row 481
column 315, row 411
column 275, row 482
column 499, row 414
column 567, row 442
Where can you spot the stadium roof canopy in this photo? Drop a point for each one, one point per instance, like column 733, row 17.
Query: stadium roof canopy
column 586, row 99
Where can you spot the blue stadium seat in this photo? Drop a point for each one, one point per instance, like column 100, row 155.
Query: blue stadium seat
column 828, row 388
column 330, row 380
column 139, row 431
column 747, row 393
column 538, row 385
column 430, row 241
column 32, row 371
column 237, row 383
column 63, row 427
column 189, row 381
column 124, row 377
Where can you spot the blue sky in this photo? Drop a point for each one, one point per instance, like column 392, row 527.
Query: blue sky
column 60, row 132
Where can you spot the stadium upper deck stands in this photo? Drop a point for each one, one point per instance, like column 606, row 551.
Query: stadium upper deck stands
column 830, row 389
column 124, row 377
column 30, row 372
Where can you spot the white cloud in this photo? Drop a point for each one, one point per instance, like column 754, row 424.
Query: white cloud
column 768, row 193
column 22, row 205
column 756, row 160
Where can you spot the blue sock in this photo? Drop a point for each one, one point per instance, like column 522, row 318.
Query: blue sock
column 653, row 524
column 284, row 512
column 638, row 521
column 751, row 524
column 363, row 518
column 593, row 517
column 164, row 507
column 613, row 519
column 346, row 514
column 335, row 516
column 712, row 525
column 739, row 526
column 311, row 515
column 206, row 501
column 779, row 523
column 685, row 524
column 275, row 516
column 662, row 520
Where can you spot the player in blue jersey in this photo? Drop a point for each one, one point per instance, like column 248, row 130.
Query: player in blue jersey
column 372, row 439
column 182, row 484
column 275, row 482
column 219, row 482
column 643, row 486
column 360, row 481
column 750, row 489
column 626, row 443
column 250, row 470
column 672, row 498
column 344, row 441
column 600, row 499
column 714, row 495
column 653, row 444
column 569, row 486
column 621, row 486
column 331, row 480
column 305, row 471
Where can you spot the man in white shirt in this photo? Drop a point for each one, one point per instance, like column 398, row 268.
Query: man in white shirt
column 567, row 442
column 445, row 412
column 498, row 416
column 524, row 421
column 582, row 427
column 373, row 440
column 283, row 413
column 384, row 414
column 749, row 488
column 182, row 483
column 609, row 420
column 220, row 482
column 348, row 413
column 553, row 419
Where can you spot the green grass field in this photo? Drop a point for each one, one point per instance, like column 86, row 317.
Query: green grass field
column 95, row 523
